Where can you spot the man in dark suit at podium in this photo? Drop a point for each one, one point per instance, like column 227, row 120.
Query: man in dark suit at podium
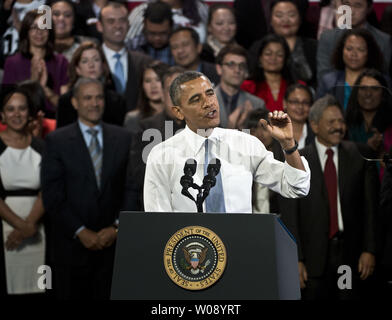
column 83, row 187
column 242, row 156
column 335, row 224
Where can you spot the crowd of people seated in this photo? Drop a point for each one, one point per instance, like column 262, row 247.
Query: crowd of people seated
column 63, row 183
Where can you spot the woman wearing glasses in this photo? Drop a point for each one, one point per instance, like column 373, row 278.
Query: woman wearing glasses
column 37, row 61
column 297, row 102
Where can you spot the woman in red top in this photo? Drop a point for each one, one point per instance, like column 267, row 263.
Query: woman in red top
column 270, row 76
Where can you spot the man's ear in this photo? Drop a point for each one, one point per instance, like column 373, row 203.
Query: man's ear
column 99, row 26
column 178, row 112
column 74, row 102
column 218, row 68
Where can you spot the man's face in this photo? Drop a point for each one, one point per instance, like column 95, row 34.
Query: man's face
column 359, row 9
column 184, row 50
column 198, row 105
column 331, row 128
column 157, row 34
column 233, row 70
column 114, row 25
column 89, row 103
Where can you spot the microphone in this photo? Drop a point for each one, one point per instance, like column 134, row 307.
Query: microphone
column 186, row 180
column 190, row 167
column 212, row 171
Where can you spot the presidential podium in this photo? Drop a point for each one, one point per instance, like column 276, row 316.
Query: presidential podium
column 260, row 257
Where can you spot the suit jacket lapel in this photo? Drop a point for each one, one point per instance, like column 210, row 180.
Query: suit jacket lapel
column 343, row 170
column 317, row 172
column 109, row 147
column 80, row 151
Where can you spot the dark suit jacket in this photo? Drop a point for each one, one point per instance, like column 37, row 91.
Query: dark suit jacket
column 308, row 218
column 85, row 12
column 136, row 63
column 140, row 149
column 114, row 113
column 70, row 192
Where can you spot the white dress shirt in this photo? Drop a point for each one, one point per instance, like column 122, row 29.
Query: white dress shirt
column 302, row 140
column 243, row 158
column 321, row 150
column 109, row 53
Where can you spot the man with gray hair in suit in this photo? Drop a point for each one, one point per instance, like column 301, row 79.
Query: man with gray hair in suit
column 232, row 67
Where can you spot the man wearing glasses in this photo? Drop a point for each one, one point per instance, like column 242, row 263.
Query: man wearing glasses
column 235, row 104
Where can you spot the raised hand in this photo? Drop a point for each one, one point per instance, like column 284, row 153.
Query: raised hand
column 280, row 127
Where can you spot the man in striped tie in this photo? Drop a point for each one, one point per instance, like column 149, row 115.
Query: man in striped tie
column 83, row 185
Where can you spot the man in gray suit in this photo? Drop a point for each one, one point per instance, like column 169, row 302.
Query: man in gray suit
column 329, row 38
column 235, row 104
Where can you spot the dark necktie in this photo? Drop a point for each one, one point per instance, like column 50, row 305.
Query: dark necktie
column 96, row 154
column 215, row 201
column 331, row 181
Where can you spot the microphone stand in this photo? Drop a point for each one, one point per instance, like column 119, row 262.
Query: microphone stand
column 203, row 190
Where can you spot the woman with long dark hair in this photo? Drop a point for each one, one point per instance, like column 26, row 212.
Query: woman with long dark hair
column 286, row 21
column 66, row 41
column 270, row 74
column 355, row 51
column 150, row 100
column 369, row 112
column 37, row 61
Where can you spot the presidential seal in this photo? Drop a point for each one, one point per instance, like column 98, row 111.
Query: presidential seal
column 194, row 258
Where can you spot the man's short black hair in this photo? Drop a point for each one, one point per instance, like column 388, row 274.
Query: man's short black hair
column 175, row 88
column 252, row 120
column 158, row 12
column 231, row 49
column 113, row 4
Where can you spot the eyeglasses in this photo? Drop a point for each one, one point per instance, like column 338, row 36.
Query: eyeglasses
column 370, row 88
column 36, row 28
column 233, row 65
column 299, row 103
